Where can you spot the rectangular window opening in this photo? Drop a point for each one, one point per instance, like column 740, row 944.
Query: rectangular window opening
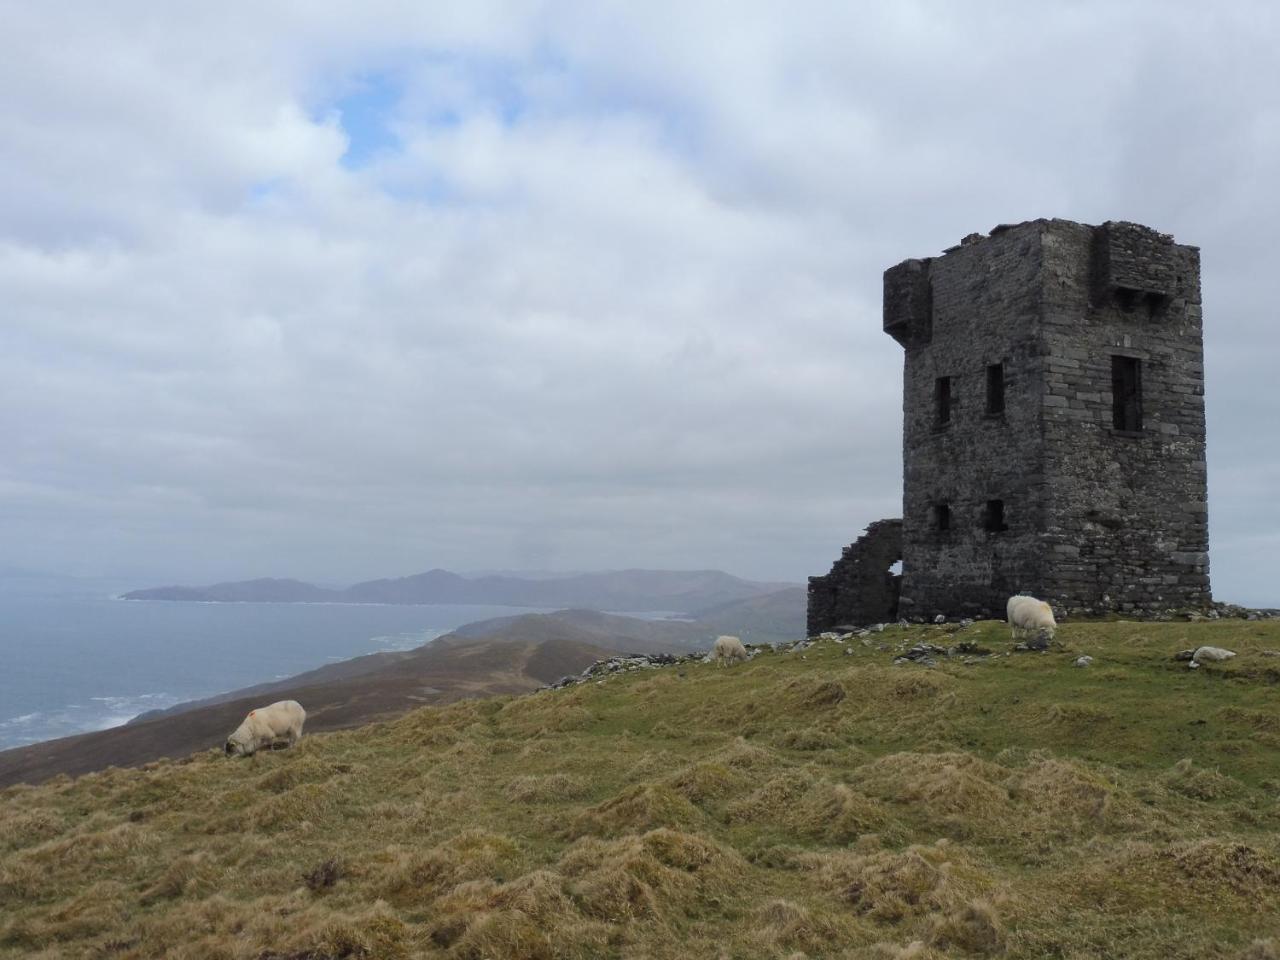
column 1126, row 393
column 942, row 517
column 942, row 401
column 993, row 519
column 995, row 389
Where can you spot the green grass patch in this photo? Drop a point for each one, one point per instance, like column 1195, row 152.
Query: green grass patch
column 824, row 803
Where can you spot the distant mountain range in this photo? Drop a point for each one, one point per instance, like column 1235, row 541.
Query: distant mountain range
column 637, row 591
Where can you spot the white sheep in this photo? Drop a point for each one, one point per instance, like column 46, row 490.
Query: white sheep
column 265, row 725
column 1028, row 613
column 1211, row 655
column 727, row 650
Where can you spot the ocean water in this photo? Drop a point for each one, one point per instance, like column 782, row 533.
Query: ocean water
column 74, row 659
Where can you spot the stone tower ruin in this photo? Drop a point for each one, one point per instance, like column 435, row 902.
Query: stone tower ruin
column 1053, row 430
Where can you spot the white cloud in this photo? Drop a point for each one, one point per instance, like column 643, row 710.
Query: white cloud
column 613, row 299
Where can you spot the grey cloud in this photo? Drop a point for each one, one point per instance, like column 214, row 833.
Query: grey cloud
column 636, row 325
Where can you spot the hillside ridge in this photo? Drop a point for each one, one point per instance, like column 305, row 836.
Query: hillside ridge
column 633, row 590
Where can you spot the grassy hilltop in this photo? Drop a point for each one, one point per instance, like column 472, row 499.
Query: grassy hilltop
column 823, row 803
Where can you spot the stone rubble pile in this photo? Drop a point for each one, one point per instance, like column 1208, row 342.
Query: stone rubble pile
column 905, row 651
column 1216, row 611
column 626, row 664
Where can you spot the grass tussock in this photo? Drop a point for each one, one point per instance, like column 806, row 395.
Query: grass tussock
column 530, row 918
column 891, row 885
column 28, row 827
column 915, row 686
column 782, row 926
column 1239, row 867
column 837, row 814
column 940, row 784
column 808, row 738
column 790, row 807
column 1199, row 783
column 1070, row 793
column 636, row 809
column 659, row 874
column 973, row 928
column 772, row 800
column 419, row 876
column 550, row 788
column 816, row 693
column 709, row 781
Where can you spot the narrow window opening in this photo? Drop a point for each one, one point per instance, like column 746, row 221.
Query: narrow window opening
column 942, row 401
column 942, row 517
column 995, row 389
column 1126, row 394
column 993, row 520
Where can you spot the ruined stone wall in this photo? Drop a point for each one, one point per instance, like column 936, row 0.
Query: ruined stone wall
column 984, row 303
column 1127, row 519
column 1104, row 510
column 860, row 589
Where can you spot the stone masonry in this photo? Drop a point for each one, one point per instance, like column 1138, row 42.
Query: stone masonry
column 1053, row 423
column 860, row 587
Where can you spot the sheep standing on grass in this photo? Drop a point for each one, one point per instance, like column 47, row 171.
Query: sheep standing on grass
column 727, row 650
column 1028, row 613
column 264, row 726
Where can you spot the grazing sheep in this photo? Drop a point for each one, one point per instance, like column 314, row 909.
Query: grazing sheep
column 1211, row 655
column 727, row 650
column 1028, row 613
column 264, row 726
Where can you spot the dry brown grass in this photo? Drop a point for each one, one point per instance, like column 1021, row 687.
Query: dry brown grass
column 1268, row 949
column 940, row 784
column 636, row 809
column 550, row 788
column 1198, row 783
column 827, row 807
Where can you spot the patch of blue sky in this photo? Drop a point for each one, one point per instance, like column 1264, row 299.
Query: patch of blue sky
column 374, row 103
column 366, row 114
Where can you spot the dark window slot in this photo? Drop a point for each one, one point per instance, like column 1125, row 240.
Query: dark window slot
column 942, row 517
column 942, row 401
column 993, row 519
column 1126, row 394
column 995, row 389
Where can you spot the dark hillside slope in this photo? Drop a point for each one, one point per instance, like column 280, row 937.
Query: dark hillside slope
column 583, row 627
column 622, row 634
column 504, row 655
column 437, row 673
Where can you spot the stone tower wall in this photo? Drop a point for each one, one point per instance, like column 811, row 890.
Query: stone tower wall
column 1126, row 526
column 1097, row 516
column 984, row 303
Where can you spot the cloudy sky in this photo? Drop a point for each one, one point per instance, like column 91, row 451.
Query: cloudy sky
column 335, row 294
